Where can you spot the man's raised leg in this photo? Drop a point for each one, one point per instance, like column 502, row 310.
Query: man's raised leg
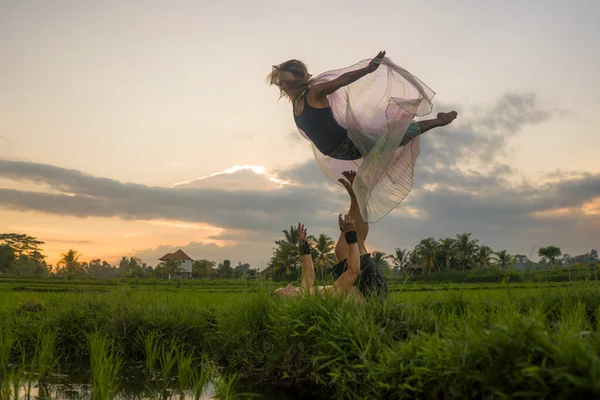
column 362, row 228
column 345, row 282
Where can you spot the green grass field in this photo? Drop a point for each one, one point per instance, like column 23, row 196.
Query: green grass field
column 427, row 340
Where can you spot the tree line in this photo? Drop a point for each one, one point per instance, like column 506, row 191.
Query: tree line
column 22, row 254
column 463, row 252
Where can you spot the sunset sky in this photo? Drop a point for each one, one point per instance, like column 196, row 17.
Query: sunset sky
column 141, row 127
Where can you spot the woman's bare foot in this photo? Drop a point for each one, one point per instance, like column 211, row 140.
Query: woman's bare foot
column 441, row 120
column 349, row 175
column 446, row 118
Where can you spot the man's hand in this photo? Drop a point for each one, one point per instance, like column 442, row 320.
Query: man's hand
column 374, row 64
column 301, row 233
column 346, row 223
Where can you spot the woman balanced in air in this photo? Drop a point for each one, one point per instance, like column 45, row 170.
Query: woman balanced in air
column 362, row 118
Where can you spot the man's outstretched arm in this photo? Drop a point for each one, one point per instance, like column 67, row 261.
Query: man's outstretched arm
column 308, row 268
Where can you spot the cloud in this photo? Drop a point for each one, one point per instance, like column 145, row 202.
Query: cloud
column 503, row 219
column 513, row 112
column 84, row 195
column 5, row 139
column 69, row 241
column 244, row 177
column 482, row 138
column 295, row 138
column 462, row 184
column 306, row 174
column 452, row 146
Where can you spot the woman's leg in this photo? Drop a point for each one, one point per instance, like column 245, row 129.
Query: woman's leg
column 417, row 128
column 348, row 151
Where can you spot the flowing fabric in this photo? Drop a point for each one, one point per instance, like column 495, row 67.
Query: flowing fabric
column 377, row 110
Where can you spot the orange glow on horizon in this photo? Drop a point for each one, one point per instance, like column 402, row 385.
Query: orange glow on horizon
column 107, row 239
column 592, row 207
column 556, row 212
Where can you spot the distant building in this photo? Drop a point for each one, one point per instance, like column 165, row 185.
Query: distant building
column 184, row 259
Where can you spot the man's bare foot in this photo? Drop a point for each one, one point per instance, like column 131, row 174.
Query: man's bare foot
column 446, row 118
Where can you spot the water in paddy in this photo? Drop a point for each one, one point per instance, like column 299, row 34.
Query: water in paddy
column 76, row 384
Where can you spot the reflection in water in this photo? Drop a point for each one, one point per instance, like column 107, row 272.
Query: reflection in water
column 71, row 391
column 77, row 384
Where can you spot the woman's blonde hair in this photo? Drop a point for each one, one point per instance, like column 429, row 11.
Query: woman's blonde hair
column 296, row 68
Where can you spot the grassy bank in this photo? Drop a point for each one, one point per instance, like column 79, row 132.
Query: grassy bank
column 583, row 272
column 516, row 341
column 495, row 275
column 441, row 280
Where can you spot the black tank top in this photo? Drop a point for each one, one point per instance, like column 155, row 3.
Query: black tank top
column 321, row 127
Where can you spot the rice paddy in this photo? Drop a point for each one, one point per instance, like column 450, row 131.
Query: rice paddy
column 100, row 340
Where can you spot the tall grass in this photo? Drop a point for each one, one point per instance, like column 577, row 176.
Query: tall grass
column 105, row 365
column 7, row 340
column 199, row 377
column 44, row 359
column 540, row 343
column 168, row 360
column 7, row 375
column 150, row 344
column 185, row 371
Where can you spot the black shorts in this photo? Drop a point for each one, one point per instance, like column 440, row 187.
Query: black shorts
column 370, row 281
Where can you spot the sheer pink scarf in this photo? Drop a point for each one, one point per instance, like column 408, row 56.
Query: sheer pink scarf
column 377, row 110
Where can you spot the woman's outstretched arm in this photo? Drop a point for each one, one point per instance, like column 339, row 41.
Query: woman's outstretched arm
column 321, row 90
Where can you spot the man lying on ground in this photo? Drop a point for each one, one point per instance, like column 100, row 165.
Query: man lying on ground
column 356, row 273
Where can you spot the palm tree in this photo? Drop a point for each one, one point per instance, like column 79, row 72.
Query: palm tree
column 484, row 256
column 290, row 237
column 170, row 267
column 69, row 262
column 203, row 268
column 379, row 260
column 286, row 256
column 427, row 250
column 400, row 258
column 414, row 257
column 466, row 249
column 323, row 253
column 446, row 252
column 504, row 258
column 285, row 261
column 130, row 266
